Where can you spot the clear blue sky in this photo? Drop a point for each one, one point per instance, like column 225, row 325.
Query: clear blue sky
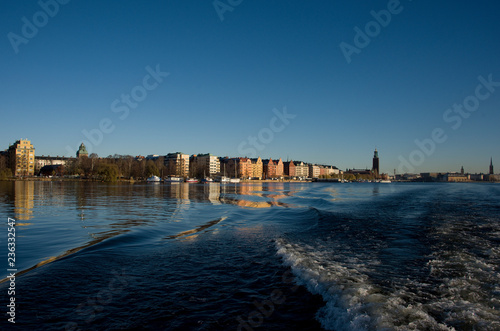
column 226, row 77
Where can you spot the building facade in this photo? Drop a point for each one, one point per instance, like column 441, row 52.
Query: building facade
column 280, row 171
column 240, row 167
column 257, row 168
column 177, row 164
column 289, row 168
column 269, row 169
column 204, row 165
column 314, row 171
column 42, row 161
column 301, row 170
column 22, row 158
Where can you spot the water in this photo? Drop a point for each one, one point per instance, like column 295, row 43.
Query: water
column 272, row 256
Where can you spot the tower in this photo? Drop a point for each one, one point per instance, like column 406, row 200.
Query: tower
column 462, row 170
column 491, row 167
column 375, row 167
column 82, row 151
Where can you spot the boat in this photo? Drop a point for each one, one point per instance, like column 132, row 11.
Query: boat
column 385, row 181
column 224, row 179
column 207, row 180
column 174, row 180
column 235, row 179
column 154, row 179
column 191, row 180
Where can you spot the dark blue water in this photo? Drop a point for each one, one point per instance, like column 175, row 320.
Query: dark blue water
column 277, row 256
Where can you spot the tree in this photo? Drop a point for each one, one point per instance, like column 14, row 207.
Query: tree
column 107, row 172
column 5, row 173
column 151, row 169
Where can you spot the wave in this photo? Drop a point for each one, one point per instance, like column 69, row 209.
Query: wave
column 353, row 300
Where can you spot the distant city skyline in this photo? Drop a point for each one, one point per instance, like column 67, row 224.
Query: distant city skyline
column 82, row 150
column 324, row 82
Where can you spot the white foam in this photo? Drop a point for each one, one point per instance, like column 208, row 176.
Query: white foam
column 353, row 301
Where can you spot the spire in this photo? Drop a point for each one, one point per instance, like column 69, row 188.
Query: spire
column 491, row 166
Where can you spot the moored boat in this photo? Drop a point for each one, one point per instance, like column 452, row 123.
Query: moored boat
column 174, row 179
column 154, row 179
column 192, row 180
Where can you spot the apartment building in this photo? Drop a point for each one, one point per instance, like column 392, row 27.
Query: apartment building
column 177, row 164
column 289, row 169
column 240, row 167
column 301, row 170
column 22, row 158
column 204, row 165
column 257, row 168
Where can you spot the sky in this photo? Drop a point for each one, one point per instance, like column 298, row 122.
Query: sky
column 324, row 82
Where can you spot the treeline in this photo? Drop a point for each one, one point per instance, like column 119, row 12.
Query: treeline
column 5, row 171
column 113, row 167
column 110, row 168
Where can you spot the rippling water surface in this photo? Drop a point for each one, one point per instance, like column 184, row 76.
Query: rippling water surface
column 275, row 256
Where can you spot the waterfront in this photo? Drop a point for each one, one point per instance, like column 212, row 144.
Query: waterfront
column 295, row 256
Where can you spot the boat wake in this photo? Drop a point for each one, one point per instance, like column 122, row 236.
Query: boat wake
column 353, row 300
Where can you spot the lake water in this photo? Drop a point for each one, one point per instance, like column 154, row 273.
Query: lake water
column 269, row 256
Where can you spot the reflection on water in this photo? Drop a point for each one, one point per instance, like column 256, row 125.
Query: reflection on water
column 23, row 200
column 70, row 216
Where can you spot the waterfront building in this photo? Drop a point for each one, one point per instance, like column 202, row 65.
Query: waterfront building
column 314, row 171
column 257, row 168
column 82, row 151
column 491, row 167
column 456, row 177
column 289, row 169
column 177, row 164
column 301, row 170
column 241, row 167
column 204, row 165
column 331, row 170
column 42, row 161
column 279, row 168
column 477, row 177
column 22, row 158
column 269, row 168
column 375, row 164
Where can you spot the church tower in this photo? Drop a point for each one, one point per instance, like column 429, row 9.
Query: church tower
column 491, row 167
column 375, row 167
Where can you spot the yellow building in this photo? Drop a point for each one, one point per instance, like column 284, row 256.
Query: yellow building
column 22, row 158
column 257, row 168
